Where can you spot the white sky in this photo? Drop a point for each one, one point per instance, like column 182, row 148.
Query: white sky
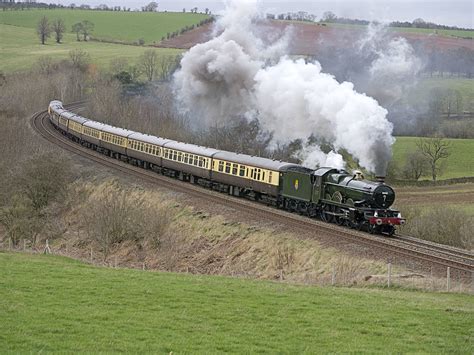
column 455, row 12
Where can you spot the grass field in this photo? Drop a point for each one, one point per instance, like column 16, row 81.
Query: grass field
column 110, row 25
column 427, row 31
column 21, row 49
column 423, row 89
column 51, row 303
column 459, row 164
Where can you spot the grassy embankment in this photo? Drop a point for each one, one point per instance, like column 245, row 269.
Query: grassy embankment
column 55, row 304
column 110, row 25
column 21, row 49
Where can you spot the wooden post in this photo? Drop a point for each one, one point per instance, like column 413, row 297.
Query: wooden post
column 333, row 276
column 448, row 279
column 389, row 274
column 431, row 278
column 91, row 256
column 115, row 261
column 47, row 249
column 24, row 244
column 281, row 274
column 143, row 266
column 10, row 244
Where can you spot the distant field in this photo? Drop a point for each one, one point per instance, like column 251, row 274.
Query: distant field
column 459, row 164
column 110, row 25
column 55, row 304
column 20, row 49
column 423, row 89
column 427, row 31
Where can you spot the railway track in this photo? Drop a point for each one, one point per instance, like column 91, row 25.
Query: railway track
column 423, row 251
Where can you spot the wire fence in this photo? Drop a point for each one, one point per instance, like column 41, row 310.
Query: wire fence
column 435, row 280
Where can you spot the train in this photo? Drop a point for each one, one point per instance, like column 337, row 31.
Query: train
column 332, row 195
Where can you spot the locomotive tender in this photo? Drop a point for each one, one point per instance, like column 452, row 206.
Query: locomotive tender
column 331, row 194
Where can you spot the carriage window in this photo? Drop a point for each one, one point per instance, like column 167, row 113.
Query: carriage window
column 185, row 159
column 166, row 153
column 263, row 175
column 234, row 169
column 180, row 156
column 196, row 160
column 221, row 166
column 258, row 174
column 242, row 171
column 227, row 168
column 201, row 162
column 270, row 177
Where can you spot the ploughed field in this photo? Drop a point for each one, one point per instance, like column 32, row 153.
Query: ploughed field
column 52, row 303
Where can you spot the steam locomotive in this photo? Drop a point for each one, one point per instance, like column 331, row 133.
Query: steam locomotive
column 333, row 195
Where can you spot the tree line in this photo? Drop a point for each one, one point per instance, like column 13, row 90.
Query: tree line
column 45, row 28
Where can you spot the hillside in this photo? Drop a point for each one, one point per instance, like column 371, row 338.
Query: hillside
column 21, row 49
column 56, row 304
column 459, row 164
column 110, row 25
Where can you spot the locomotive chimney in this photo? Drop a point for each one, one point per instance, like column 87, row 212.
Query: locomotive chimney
column 380, row 179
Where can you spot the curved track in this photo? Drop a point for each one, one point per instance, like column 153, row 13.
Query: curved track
column 408, row 247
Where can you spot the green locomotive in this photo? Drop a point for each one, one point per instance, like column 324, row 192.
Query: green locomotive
column 339, row 197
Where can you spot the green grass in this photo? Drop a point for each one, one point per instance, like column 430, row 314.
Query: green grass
column 126, row 26
column 21, row 49
column 55, row 304
column 459, row 164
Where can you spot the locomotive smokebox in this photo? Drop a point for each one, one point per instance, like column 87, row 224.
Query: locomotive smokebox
column 380, row 179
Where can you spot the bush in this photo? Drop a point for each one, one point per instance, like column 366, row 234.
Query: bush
column 445, row 225
column 115, row 216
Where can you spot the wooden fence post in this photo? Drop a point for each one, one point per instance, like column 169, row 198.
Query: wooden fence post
column 91, row 256
column 143, row 266
column 333, row 276
column 448, row 279
column 389, row 274
column 24, row 244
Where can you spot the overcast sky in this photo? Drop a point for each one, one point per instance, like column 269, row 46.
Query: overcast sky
column 448, row 12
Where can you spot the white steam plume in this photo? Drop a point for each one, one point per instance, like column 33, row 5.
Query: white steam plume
column 234, row 75
column 394, row 66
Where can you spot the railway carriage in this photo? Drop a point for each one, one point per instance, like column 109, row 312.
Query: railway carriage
column 146, row 148
column 55, row 109
column 75, row 126
column 188, row 159
column 92, row 133
column 114, row 139
column 248, row 173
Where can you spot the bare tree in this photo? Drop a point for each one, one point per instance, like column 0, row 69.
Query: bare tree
column 435, row 150
column 43, row 29
column 149, row 62
column 151, row 7
column 416, row 165
column 87, row 28
column 59, row 27
column 79, row 58
column 77, row 29
column 168, row 65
